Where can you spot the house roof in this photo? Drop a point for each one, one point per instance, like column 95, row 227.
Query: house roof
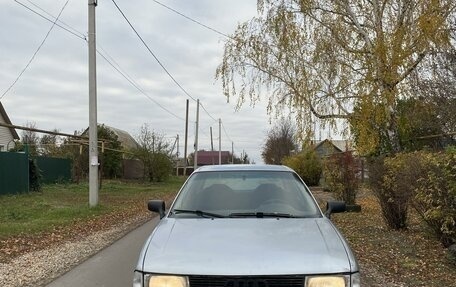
column 328, row 147
column 327, row 142
column 8, row 121
column 125, row 139
column 339, row 145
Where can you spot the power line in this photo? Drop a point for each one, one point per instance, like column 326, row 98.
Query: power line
column 36, row 52
column 105, row 56
column 193, row 20
column 224, row 130
column 158, row 60
column 110, row 61
column 204, row 109
column 133, row 83
column 63, row 23
column 83, row 37
column 152, row 53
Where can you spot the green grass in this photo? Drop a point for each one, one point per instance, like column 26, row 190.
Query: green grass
column 60, row 205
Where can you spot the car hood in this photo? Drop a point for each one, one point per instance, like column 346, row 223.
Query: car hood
column 246, row 246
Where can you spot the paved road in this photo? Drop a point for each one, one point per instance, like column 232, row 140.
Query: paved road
column 113, row 266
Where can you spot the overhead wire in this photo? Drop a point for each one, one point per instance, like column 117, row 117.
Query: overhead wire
column 224, row 130
column 191, row 19
column 63, row 23
column 151, row 52
column 138, row 88
column 198, row 23
column 158, row 60
column 116, row 66
column 105, row 56
column 36, row 51
column 83, row 37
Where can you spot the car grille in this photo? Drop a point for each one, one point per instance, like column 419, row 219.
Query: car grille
column 246, row 281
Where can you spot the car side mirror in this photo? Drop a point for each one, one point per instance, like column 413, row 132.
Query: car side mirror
column 157, row 206
column 335, row 207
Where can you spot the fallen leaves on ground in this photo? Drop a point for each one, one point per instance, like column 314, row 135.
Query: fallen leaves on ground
column 136, row 209
column 410, row 257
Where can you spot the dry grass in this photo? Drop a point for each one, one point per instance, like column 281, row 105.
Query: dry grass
column 60, row 212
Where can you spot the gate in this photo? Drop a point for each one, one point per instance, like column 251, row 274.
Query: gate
column 54, row 170
column 14, row 173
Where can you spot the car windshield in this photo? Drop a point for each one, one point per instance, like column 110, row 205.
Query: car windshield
column 245, row 194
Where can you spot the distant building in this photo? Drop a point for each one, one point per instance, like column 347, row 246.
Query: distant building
column 212, row 157
column 7, row 135
column 328, row 147
column 125, row 139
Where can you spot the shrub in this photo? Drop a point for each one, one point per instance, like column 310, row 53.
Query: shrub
column 340, row 176
column 34, row 176
column 393, row 181
column 307, row 165
column 160, row 168
column 435, row 198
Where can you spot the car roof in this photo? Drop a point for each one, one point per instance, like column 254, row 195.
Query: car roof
column 243, row 167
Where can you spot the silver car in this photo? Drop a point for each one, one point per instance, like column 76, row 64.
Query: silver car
column 245, row 226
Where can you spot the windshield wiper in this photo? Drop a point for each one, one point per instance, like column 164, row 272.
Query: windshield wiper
column 261, row 214
column 198, row 212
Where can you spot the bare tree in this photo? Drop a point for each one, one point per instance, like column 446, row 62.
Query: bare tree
column 280, row 142
column 49, row 144
column 154, row 152
column 31, row 138
column 435, row 85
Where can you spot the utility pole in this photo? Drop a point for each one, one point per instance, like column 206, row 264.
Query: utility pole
column 220, row 141
column 177, row 149
column 232, row 152
column 177, row 156
column 212, row 141
column 195, row 157
column 93, row 136
column 186, row 139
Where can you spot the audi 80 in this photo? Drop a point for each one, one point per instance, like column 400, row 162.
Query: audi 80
column 245, row 226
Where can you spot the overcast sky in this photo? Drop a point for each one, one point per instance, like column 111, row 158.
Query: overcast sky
column 53, row 91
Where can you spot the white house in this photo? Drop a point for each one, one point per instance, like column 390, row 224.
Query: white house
column 7, row 135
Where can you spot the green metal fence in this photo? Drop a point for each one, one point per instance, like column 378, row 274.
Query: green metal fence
column 14, row 173
column 54, row 169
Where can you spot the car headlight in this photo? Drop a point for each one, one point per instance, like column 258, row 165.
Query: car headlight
column 165, row 281
column 327, row 281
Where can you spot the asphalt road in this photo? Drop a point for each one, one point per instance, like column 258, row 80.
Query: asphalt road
column 113, row 266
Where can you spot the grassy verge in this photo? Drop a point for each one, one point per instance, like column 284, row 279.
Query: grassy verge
column 395, row 258
column 61, row 211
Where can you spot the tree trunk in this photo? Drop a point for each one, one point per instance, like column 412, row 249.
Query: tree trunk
column 393, row 132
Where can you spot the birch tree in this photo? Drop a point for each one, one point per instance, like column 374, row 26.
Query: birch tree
column 335, row 59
